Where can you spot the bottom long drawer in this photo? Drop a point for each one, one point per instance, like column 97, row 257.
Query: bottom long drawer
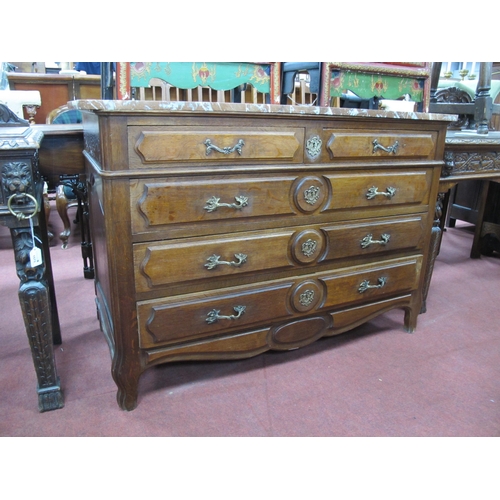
column 182, row 318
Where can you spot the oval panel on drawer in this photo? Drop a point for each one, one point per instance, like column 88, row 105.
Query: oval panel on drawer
column 209, row 145
column 309, row 193
column 343, row 144
column 298, row 333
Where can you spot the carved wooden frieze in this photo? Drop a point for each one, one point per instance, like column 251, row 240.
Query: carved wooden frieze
column 462, row 162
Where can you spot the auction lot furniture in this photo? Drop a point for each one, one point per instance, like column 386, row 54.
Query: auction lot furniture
column 225, row 230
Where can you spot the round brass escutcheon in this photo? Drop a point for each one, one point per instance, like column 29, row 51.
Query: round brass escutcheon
column 309, row 193
column 307, row 246
column 306, row 296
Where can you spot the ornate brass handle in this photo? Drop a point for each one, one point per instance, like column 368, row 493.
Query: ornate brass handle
column 365, row 285
column 214, row 315
column 368, row 240
column 214, row 261
column 20, row 216
column 213, row 204
column 373, row 191
column 227, row 150
column 391, row 149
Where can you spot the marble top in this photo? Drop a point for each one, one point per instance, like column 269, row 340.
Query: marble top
column 250, row 108
column 472, row 137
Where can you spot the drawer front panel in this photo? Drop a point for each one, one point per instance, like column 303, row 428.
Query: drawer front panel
column 162, row 264
column 344, row 144
column 366, row 238
column 195, row 144
column 156, row 202
column 165, row 321
column 379, row 189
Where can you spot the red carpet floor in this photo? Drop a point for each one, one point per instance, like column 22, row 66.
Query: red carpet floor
column 443, row 380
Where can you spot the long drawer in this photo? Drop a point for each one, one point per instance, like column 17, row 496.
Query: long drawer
column 201, row 315
column 159, row 202
column 159, row 264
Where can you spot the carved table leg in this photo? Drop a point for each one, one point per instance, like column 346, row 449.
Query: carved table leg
column 434, row 249
column 475, row 252
column 34, row 297
column 62, row 204
column 41, row 231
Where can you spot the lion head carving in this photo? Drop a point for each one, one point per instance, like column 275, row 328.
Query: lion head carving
column 16, row 177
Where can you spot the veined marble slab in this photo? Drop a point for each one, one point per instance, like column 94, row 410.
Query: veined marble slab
column 224, row 107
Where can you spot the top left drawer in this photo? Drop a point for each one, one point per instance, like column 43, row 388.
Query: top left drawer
column 159, row 145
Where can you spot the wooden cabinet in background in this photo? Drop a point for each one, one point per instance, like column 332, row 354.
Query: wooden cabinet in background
column 55, row 89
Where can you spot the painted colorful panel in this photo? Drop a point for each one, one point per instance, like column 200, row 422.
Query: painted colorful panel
column 189, row 75
column 367, row 85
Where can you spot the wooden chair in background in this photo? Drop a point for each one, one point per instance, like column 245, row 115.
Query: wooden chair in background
column 193, row 81
column 381, row 80
column 355, row 85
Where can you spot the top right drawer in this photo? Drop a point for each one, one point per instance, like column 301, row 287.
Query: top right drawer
column 388, row 145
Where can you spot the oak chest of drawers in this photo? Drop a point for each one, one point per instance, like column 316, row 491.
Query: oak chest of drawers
column 223, row 230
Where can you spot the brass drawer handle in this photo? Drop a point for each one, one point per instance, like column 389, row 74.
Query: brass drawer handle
column 365, row 285
column 214, row 315
column 391, row 149
column 373, row 191
column 368, row 240
column 213, row 204
column 227, row 150
column 214, row 261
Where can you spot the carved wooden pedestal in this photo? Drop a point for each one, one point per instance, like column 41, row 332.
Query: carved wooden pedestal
column 21, row 209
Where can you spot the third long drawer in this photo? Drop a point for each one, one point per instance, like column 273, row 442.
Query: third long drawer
column 163, row 263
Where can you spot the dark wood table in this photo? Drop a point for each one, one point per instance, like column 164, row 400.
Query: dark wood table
column 468, row 156
column 61, row 150
column 26, row 154
column 471, row 156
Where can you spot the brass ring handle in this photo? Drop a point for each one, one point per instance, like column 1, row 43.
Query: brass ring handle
column 373, row 191
column 391, row 149
column 365, row 285
column 20, row 216
column 213, row 204
column 214, row 315
column 227, row 150
column 368, row 240
column 214, row 261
